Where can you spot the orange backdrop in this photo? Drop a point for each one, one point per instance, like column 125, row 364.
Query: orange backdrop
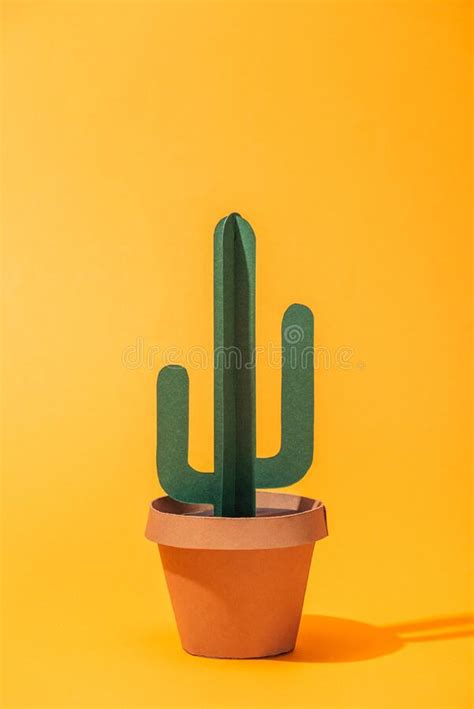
column 341, row 131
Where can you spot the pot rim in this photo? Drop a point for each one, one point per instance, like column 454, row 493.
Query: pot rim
column 283, row 520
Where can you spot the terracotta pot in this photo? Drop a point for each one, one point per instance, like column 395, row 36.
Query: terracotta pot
column 237, row 584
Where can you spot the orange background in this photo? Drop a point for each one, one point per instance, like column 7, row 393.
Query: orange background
column 341, row 131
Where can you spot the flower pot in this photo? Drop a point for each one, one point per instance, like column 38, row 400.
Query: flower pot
column 237, row 585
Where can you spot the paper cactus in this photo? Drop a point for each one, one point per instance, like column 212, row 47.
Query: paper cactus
column 237, row 470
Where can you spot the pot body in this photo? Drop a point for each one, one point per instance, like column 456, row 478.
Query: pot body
column 237, row 585
column 239, row 604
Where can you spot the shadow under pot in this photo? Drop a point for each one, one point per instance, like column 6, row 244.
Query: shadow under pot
column 237, row 584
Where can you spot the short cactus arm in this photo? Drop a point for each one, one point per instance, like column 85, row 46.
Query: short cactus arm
column 297, row 403
column 177, row 477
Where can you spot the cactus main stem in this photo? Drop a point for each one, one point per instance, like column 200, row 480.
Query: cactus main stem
column 234, row 377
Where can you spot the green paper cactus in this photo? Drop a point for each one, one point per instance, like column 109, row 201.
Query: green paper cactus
column 237, row 470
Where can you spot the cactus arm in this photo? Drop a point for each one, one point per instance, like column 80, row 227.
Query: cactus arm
column 234, row 368
column 177, row 477
column 297, row 403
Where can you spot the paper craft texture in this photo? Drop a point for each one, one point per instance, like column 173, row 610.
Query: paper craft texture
column 237, row 584
column 282, row 521
column 236, row 560
column 237, row 470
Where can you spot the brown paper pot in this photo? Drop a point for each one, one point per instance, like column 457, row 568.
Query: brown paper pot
column 237, row 584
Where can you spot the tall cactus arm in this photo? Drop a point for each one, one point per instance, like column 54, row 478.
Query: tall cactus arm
column 177, row 477
column 297, row 403
column 234, row 373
